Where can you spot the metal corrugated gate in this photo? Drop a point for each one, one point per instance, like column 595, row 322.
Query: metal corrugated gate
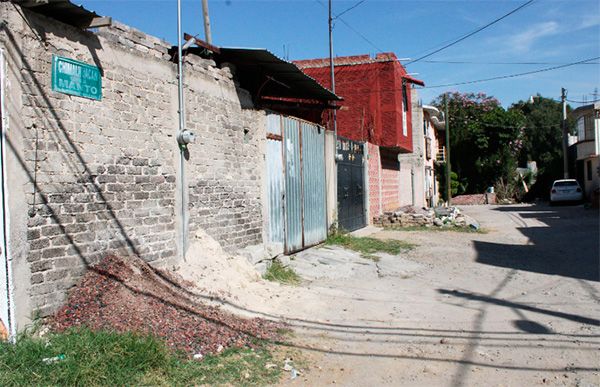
column 313, row 177
column 297, row 195
column 275, row 183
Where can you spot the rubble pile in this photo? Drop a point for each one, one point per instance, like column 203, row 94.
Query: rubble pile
column 409, row 216
column 129, row 295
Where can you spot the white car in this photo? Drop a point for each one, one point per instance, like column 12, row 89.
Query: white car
column 566, row 190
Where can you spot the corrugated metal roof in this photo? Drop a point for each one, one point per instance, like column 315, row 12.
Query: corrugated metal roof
column 61, row 10
column 268, row 75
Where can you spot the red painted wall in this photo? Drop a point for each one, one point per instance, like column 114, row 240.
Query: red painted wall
column 372, row 92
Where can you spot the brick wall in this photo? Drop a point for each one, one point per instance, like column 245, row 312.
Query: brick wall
column 390, row 181
column 375, row 207
column 372, row 90
column 91, row 177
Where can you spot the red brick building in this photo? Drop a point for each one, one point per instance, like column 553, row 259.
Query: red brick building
column 376, row 110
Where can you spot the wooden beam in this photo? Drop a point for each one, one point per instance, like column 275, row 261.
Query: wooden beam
column 202, row 43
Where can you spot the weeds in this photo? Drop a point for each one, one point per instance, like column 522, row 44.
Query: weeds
column 107, row 358
column 277, row 272
column 369, row 246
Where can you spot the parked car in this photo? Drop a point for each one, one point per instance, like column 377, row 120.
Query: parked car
column 566, row 190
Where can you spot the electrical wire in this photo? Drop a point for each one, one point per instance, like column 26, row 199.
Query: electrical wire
column 363, row 37
column 511, row 75
column 460, row 39
column 501, row 63
column 349, row 9
column 591, row 101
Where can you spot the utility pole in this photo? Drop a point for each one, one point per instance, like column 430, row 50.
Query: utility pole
column 448, row 168
column 331, row 70
column 180, row 112
column 565, row 134
column 206, row 22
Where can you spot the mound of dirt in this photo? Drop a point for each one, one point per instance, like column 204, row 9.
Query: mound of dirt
column 127, row 294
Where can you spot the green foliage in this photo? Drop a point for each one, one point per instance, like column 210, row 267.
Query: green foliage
column 107, row 358
column 485, row 139
column 457, row 186
column 542, row 140
column 369, row 246
column 277, row 272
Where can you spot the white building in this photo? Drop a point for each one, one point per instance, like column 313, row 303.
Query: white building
column 587, row 119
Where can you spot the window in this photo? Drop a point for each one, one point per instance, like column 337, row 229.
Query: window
column 589, row 170
column 404, row 110
column 580, row 129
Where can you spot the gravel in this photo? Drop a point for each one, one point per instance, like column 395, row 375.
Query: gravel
column 127, row 294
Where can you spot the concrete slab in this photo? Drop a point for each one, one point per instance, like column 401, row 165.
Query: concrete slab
column 366, row 231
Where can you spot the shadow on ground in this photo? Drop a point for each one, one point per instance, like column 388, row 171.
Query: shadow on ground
column 566, row 246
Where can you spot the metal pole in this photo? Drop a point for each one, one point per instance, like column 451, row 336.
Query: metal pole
column 331, row 70
column 181, row 128
column 565, row 135
column 332, row 75
column 206, row 22
column 448, row 167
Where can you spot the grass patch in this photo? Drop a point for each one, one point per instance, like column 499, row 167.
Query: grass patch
column 369, row 246
column 467, row 230
column 106, row 358
column 277, row 272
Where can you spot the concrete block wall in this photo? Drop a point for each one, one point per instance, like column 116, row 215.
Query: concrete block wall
column 224, row 171
column 87, row 178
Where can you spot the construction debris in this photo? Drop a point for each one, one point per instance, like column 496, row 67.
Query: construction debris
column 409, row 216
column 129, row 295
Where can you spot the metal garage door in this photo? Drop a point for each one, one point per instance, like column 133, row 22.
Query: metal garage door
column 299, row 188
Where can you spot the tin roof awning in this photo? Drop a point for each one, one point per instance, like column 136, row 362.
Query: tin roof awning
column 265, row 75
column 66, row 12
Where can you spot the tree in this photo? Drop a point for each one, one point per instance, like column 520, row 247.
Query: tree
column 542, row 140
column 485, row 139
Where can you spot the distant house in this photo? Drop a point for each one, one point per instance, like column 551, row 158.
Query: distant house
column 418, row 167
column 587, row 147
column 375, row 120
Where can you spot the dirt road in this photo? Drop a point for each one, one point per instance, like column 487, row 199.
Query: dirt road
column 518, row 306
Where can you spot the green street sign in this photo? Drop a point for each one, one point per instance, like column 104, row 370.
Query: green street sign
column 76, row 78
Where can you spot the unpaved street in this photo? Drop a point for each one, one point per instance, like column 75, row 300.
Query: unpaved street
column 516, row 306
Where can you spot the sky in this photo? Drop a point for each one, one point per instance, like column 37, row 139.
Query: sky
column 548, row 32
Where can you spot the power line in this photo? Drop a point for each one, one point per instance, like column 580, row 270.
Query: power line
column 502, row 63
column 471, row 33
column 511, row 75
column 349, row 9
column 591, row 101
column 363, row 37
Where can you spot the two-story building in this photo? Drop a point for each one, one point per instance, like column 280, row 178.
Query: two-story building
column 374, row 124
column 587, row 147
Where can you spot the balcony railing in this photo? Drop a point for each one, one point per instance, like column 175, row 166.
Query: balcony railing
column 440, row 156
